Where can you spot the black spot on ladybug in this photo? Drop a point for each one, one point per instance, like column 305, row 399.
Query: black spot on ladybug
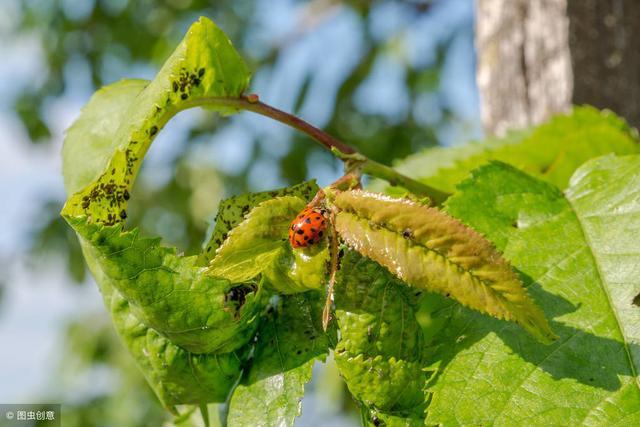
column 306, row 238
column 184, row 96
column 319, row 233
column 175, row 86
column 407, row 233
column 153, row 130
column 308, row 220
column 299, row 231
column 123, row 214
column 201, row 72
column 126, row 195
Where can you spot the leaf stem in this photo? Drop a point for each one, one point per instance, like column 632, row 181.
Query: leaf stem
column 341, row 150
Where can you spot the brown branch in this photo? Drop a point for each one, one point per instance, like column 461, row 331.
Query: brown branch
column 343, row 151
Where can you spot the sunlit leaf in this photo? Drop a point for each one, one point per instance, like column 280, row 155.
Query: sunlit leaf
column 232, row 211
column 171, row 294
column 578, row 253
column 203, row 66
column 432, row 251
column 256, row 242
column 176, row 375
column 551, row 152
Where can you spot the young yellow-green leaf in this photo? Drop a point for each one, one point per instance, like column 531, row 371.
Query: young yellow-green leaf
column 204, row 65
column 175, row 375
column 288, row 345
column 232, row 211
column 579, row 254
column 171, row 294
column 301, row 269
column 551, row 152
column 432, row 251
column 260, row 245
column 257, row 242
column 380, row 349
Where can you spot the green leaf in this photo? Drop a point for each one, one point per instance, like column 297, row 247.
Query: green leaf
column 232, row 211
column 176, row 375
column 301, row 269
column 171, row 294
column 204, row 66
column 90, row 142
column 259, row 245
column 432, row 251
column 256, row 242
column 578, row 253
column 289, row 343
column 168, row 292
column 380, row 349
column 380, row 419
column 551, row 152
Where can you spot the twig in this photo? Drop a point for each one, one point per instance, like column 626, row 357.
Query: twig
column 346, row 153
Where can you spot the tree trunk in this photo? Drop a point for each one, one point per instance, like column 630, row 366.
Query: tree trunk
column 537, row 57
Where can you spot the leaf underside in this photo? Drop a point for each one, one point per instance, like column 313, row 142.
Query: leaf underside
column 432, row 251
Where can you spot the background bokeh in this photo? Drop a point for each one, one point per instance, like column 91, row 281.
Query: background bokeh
column 389, row 77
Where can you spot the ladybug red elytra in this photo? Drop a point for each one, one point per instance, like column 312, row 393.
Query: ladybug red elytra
column 308, row 227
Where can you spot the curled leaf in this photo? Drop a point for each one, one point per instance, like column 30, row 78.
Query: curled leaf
column 299, row 270
column 259, row 245
column 204, row 65
column 171, row 294
column 432, row 251
column 232, row 211
column 257, row 241
column 176, row 375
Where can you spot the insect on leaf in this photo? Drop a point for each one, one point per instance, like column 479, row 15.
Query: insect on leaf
column 232, row 211
column 256, row 242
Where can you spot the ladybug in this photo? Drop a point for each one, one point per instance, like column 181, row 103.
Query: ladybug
column 308, row 227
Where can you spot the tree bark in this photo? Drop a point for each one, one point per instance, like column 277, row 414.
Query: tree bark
column 538, row 57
